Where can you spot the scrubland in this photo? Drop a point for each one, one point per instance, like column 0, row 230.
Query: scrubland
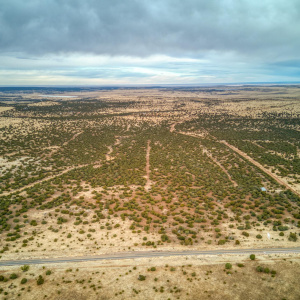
column 150, row 169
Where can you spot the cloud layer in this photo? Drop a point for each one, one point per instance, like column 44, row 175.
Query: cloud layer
column 194, row 36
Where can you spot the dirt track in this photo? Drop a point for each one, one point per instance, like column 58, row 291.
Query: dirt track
column 257, row 164
column 148, row 182
column 222, row 167
column 42, row 180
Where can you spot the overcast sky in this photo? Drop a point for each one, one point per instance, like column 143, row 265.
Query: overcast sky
column 104, row 42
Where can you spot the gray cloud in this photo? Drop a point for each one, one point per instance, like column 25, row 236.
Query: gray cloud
column 141, row 27
column 157, row 41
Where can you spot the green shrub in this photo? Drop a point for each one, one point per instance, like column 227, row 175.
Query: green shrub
column 283, row 228
column 228, row 266
column 13, row 276
column 40, row 280
column 25, row 268
column 293, row 237
column 252, row 257
column 141, row 278
column 33, row 223
column 259, row 269
column 23, row 281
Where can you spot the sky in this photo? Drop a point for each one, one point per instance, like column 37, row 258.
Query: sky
column 133, row 42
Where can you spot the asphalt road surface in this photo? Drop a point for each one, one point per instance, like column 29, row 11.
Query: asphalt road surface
column 147, row 254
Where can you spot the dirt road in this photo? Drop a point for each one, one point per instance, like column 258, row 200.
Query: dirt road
column 42, row 180
column 148, row 181
column 148, row 254
column 257, row 164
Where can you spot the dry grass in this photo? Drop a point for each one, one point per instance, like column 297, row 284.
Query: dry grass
column 180, row 278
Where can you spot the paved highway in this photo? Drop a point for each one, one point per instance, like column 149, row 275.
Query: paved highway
column 147, row 254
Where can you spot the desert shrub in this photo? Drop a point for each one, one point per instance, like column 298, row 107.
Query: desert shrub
column 164, row 238
column 245, row 233
column 40, row 280
column 283, row 228
column 259, row 236
column 228, row 266
column 13, row 276
column 281, row 234
column 252, row 257
column 25, row 268
column 293, row 237
column 33, row 223
column 48, row 272
column 259, row 269
column 23, row 281
column 141, row 278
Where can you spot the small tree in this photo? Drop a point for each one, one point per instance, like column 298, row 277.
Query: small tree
column 252, row 257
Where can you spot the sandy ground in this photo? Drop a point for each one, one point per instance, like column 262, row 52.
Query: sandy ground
column 2, row 109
